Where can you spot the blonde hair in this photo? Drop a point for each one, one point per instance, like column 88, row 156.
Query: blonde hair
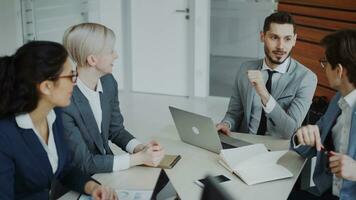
column 83, row 40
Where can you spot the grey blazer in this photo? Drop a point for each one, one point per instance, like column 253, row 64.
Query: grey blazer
column 90, row 147
column 294, row 93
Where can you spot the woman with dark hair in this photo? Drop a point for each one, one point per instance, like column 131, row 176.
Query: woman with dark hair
column 33, row 81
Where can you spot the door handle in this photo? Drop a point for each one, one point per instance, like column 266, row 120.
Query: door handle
column 183, row 11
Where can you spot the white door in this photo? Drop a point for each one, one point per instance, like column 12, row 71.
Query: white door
column 159, row 46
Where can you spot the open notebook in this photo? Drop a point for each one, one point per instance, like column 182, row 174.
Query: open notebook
column 254, row 163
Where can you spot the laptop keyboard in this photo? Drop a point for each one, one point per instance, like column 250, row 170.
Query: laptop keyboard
column 227, row 146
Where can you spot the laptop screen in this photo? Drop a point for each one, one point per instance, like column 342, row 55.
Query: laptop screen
column 164, row 188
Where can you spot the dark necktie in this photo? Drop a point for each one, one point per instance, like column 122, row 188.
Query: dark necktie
column 262, row 128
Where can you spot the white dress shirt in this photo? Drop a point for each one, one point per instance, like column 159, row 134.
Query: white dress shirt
column 24, row 121
column 341, row 132
column 121, row 162
column 257, row 105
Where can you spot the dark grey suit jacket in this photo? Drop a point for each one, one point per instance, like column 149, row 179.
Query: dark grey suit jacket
column 90, row 147
column 294, row 93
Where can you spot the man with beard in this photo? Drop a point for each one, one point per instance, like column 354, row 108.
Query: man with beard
column 271, row 95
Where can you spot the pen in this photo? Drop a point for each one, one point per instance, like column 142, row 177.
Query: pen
column 328, row 153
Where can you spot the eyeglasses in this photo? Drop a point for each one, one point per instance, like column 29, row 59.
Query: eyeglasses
column 323, row 62
column 73, row 76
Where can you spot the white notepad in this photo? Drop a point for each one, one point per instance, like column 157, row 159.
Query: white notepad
column 254, row 163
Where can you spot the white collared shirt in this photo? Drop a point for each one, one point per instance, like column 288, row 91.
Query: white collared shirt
column 257, row 105
column 24, row 121
column 121, row 162
column 341, row 132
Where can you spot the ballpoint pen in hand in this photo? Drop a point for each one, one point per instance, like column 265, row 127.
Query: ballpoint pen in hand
column 328, row 153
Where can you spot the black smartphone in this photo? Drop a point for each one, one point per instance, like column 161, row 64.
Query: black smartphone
column 218, row 178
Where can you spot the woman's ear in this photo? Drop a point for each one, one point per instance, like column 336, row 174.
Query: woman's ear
column 45, row 87
column 92, row 60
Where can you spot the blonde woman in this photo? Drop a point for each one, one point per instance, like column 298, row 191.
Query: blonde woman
column 93, row 117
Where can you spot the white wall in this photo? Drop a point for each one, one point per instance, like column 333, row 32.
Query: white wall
column 110, row 16
column 10, row 34
column 235, row 27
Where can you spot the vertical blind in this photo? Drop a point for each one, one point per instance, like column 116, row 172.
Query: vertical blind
column 48, row 19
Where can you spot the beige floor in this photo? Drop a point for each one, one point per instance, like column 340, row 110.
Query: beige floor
column 147, row 114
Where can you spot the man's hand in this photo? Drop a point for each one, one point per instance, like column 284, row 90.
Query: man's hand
column 343, row 166
column 256, row 79
column 223, row 128
column 309, row 135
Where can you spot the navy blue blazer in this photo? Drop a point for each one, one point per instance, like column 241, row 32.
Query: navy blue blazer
column 322, row 176
column 25, row 171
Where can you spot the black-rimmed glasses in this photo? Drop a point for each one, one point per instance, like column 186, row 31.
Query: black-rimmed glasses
column 73, row 76
column 323, row 62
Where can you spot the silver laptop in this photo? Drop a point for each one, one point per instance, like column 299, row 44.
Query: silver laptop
column 200, row 131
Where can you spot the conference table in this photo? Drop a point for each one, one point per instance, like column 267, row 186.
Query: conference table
column 196, row 163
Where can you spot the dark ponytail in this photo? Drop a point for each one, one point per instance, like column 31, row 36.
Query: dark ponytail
column 7, row 74
column 20, row 74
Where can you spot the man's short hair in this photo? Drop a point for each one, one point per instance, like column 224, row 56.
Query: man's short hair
column 278, row 18
column 340, row 48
